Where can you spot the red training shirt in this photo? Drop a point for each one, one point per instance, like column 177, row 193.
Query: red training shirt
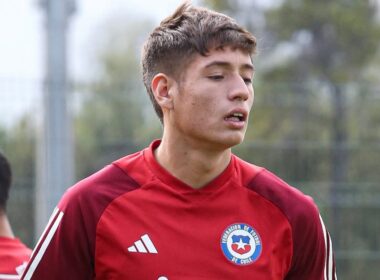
column 13, row 258
column 134, row 220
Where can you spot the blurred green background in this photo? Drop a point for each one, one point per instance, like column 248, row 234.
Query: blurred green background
column 315, row 121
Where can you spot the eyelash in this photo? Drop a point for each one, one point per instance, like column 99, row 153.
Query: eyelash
column 216, row 77
column 221, row 77
column 247, row 80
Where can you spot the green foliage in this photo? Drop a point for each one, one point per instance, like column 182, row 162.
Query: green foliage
column 221, row 5
column 292, row 125
column 112, row 113
column 339, row 37
column 18, row 144
column 21, row 145
column 3, row 136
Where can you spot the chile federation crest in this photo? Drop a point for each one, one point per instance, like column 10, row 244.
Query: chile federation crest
column 241, row 244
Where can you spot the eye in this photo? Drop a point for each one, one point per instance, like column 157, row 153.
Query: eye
column 247, row 80
column 216, row 77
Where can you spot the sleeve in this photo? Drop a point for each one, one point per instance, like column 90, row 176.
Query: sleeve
column 312, row 255
column 66, row 248
column 312, row 248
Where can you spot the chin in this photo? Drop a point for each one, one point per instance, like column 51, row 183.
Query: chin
column 231, row 141
column 222, row 141
column 236, row 142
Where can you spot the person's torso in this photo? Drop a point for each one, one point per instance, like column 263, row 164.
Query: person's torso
column 162, row 230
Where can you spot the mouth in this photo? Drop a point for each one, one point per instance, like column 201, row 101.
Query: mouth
column 236, row 117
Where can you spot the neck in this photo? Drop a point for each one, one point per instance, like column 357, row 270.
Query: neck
column 196, row 166
column 5, row 227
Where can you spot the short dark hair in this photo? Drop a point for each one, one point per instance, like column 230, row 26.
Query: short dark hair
column 5, row 181
column 189, row 31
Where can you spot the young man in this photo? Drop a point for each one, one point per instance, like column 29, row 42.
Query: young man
column 13, row 253
column 186, row 208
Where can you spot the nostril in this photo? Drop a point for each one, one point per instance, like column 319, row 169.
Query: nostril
column 241, row 98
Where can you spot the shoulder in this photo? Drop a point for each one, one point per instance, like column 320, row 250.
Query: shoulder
column 13, row 253
column 294, row 204
column 309, row 236
column 100, row 188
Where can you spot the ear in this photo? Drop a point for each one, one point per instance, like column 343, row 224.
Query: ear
column 161, row 88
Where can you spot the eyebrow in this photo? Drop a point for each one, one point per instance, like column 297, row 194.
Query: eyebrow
column 225, row 64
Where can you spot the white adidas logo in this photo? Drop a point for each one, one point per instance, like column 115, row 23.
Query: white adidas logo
column 144, row 245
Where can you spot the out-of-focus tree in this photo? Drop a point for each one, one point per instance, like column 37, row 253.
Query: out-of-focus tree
column 3, row 136
column 250, row 13
column 228, row 6
column 18, row 144
column 333, row 42
column 112, row 119
column 336, row 39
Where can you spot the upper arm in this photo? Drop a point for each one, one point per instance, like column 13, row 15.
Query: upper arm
column 64, row 250
column 312, row 249
column 312, row 256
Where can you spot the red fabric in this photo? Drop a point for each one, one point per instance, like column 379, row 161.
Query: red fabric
column 309, row 253
column 13, row 254
column 105, row 217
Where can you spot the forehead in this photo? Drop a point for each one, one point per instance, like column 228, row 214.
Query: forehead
column 222, row 57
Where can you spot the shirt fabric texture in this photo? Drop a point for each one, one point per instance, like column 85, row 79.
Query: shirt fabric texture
column 134, row 220
column 14, row 256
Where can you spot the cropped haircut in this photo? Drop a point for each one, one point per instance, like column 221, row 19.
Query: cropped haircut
column 5, row 182
column 189, row 31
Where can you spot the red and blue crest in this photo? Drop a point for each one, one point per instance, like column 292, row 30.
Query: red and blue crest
column 241, row 244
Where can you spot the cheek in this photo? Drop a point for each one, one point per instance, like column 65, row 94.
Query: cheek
column 198, row 105
column 252, row 102
column 252, row 99
column 205, row 108
column 198, row 111
column 199, row 114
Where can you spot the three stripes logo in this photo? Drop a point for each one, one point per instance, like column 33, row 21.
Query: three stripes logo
column 143, row 245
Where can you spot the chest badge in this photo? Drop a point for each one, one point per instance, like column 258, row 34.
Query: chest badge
column 241, row 244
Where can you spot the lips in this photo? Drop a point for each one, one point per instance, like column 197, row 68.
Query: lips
column 236, row 116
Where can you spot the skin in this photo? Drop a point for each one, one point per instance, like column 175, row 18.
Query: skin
column 199, row 125
column 5, row 227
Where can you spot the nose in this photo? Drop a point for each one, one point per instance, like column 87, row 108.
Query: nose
column 240, row 90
